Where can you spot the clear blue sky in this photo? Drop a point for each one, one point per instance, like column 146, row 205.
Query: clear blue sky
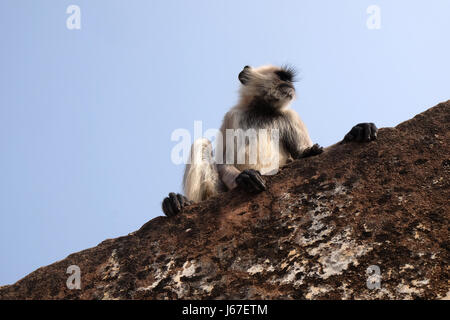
column 86, row 115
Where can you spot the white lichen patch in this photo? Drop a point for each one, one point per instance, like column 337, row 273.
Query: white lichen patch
column 408, row 290
column 112, row 268
column 189, row 279
column 317, row 232
column 295, row 273
column 159, row 276
column 266, row 266
column 187, row 271
column 406, row 267
column 420, row 283
column 323, row 205
column 320, row 201
column 333, row 256
column 313, row 291
column 207, row 288
column 336, row 255
column 257, row 268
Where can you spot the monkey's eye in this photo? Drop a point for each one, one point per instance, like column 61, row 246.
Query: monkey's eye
column 284, row 75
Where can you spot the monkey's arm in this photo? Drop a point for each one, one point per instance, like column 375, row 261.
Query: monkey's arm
column 249, row 179
column 362, row 132
column 295, row 137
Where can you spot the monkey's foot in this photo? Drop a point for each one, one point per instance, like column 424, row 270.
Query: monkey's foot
column 174, row 203
column 362, row 132
column 312, row 151
column 251, row 180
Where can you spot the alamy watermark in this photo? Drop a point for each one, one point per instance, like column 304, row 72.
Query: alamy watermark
column 373, row 277
column 250, row 146
column 73, row 22
column 373, row 21
column 74, row 280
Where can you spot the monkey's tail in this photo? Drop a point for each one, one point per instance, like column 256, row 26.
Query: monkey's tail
column 201, row 179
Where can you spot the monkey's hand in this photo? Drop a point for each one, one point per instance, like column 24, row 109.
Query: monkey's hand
column 174, row 203
column 312, row 151
column 362, row 132
column 251, row 181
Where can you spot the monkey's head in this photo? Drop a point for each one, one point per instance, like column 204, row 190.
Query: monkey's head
column 267, row 85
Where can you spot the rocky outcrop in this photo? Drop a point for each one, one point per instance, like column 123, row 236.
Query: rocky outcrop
column 313, row 235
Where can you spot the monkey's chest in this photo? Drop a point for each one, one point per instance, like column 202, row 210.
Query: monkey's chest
column 257, row 145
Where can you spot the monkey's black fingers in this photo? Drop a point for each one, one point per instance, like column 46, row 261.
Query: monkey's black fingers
column 312, row 151
column 354, row 134
column 183, row 200
column 362, row 132
column 369, row 131
column 251, row 181
column 366, row 133
column 374, row 131
column 242, row 181
column 174, row 204
column 256, row 179
column 167, row 207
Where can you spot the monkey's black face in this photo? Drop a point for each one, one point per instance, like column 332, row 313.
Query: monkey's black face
column 287, row 90
column 273, row 85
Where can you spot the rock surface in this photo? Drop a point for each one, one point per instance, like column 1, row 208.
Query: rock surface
column 322, row 222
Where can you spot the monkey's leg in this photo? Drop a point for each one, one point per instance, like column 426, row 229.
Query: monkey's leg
column 201, row 179
column 251, row 180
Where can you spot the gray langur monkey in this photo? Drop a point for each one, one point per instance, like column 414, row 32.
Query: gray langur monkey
column 265, row 96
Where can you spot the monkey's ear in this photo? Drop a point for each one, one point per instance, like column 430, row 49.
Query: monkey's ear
column 243, row 75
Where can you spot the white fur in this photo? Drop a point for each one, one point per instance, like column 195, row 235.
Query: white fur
column 200, row 177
